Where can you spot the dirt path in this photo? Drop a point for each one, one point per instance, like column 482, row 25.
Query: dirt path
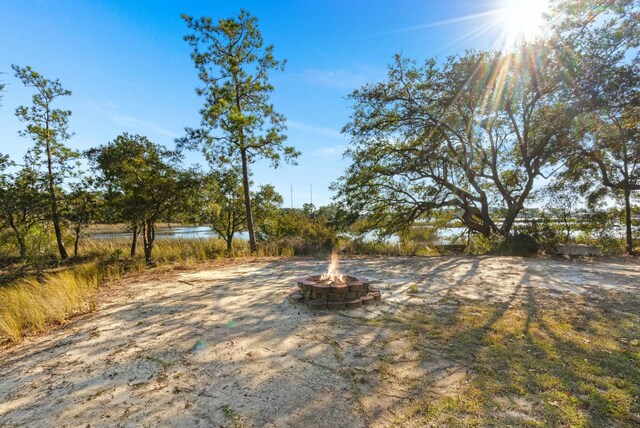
column 224, row 347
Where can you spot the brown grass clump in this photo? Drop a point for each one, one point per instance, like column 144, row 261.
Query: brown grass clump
column 31, row 305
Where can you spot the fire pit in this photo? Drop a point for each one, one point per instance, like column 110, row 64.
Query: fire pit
column 334, row 291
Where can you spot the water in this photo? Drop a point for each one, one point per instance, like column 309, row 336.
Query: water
column 181, row 232
column 200, row 232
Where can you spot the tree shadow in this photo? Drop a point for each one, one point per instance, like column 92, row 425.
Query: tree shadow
column 543, row 357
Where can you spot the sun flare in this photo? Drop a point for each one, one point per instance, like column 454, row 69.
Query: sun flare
column 522, row 20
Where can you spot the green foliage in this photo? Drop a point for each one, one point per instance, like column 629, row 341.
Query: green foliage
column 48, row 128
column 599, row 41
column 544, row 231
column 304, row 233
column 81, row 207
column 520, row 244
column 478, row 130
column 234, row 65
column 143, row 181
column 221, row 204
column 23, row 204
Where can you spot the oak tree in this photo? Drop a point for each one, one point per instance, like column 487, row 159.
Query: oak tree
column 598, row 42
column 473, row 135
column 144, row 181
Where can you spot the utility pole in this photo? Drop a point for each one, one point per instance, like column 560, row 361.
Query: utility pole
column 291, row 196
column 311, row 188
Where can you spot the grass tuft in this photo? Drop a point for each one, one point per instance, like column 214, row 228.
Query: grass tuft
column 31, row 305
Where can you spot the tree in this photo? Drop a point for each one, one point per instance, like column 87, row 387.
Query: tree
column 23, row 204
column 473, row 135
column 82, row 205
column 606, row 161
column 305, row 234
column 144, row 181
column 268, row 205
column 562, row 206
column 239, row 124
column 599, row 43
column 48, row 127
column 224, row 207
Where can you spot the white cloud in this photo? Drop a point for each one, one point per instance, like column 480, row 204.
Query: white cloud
column 341, row 79
column 110, row 110
column 329, row 153
column 313, row 129
column 141, row 125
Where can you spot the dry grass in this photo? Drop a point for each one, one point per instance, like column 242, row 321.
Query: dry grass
column 32, row 303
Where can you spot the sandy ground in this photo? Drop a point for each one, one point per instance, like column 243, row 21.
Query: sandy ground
column 224, row 347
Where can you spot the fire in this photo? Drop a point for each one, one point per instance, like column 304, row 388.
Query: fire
column 333, row 275
column 333, row 264
column 331, row 279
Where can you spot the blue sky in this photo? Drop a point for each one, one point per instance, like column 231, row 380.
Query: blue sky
column 130, row 70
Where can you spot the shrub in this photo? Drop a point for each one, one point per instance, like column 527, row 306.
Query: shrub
column 543, row 231
column 520, row 244
column 480, row 245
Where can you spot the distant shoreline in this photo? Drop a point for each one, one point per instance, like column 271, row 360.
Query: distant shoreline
column 105, row 228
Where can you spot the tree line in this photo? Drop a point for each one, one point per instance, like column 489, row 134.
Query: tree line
column 136, row 181
column 474, row 140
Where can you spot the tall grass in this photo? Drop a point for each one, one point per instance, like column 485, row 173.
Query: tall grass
column 31, row 305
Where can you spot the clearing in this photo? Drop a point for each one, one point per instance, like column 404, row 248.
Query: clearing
column 456, row 341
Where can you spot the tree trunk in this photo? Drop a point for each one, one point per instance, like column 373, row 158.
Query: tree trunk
column 567, row 226
column 627, row 215
column 55, row 215
column 247, row 202
column 229, row 243
column 482, row 222
column 21, row 244
column 148, row 239
column 134, row 242
column 76, row 242
column 509, row 220
column 23, row 247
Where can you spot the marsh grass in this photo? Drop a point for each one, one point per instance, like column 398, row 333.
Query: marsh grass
column 544, row 361
column 31, row 300
column 32, row 304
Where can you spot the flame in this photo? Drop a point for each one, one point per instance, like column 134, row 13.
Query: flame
column 333, row 274
column 333, row 264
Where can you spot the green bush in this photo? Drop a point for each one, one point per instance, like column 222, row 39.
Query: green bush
column 303, row 234
column 520, row 244
column 543, row 231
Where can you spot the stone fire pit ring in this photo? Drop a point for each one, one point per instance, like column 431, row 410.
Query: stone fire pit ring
column 334, row 292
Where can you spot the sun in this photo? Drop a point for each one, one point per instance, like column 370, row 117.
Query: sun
column 522, row 20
